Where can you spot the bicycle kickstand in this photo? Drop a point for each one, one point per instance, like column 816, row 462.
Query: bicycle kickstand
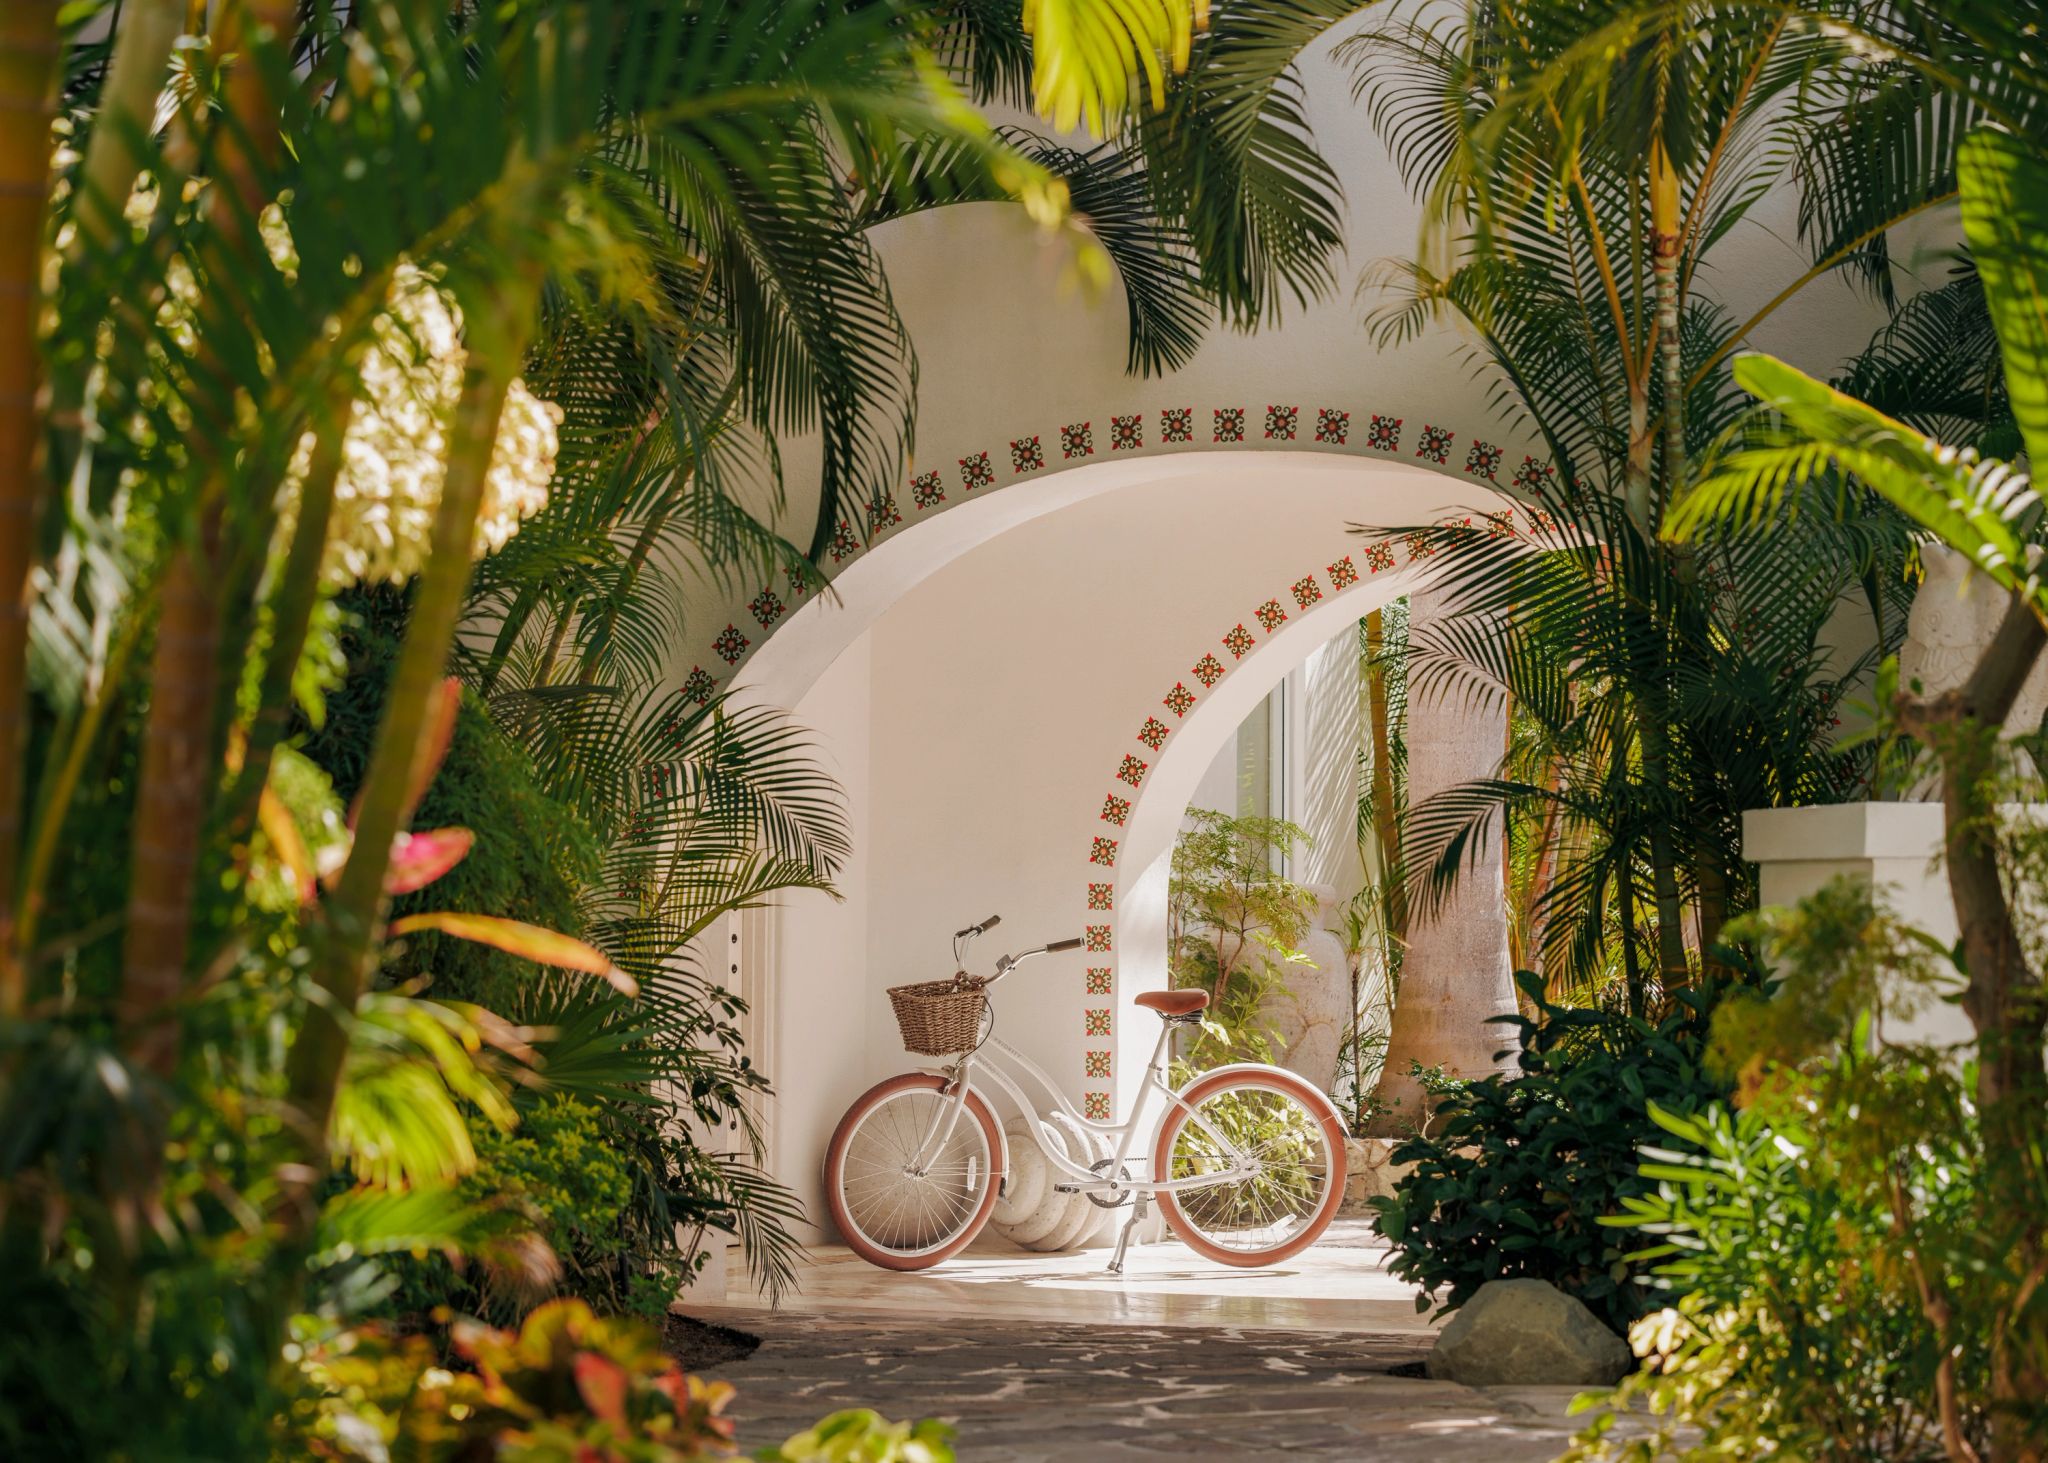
column 1123, row 1239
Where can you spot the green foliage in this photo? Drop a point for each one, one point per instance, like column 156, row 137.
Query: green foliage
column 1793, row 1331
column 534, row 853
column 859, row 1435
column 1234, row 925
column 1517, row 1172
column 566, row 1384
column 1848, row 1261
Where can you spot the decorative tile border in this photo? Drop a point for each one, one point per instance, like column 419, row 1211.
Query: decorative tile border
column 1229, row 426
column 1279, row 423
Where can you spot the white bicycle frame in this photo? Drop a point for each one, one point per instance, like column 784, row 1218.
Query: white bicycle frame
column 1110, row 1177
column 1081, row 1179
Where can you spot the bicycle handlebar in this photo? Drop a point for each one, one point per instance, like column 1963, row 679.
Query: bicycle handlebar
column 981, row 929
column 1010, row 962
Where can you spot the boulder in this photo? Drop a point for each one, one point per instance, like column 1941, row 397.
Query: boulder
column 1526, row 1333
column 1369, row 1172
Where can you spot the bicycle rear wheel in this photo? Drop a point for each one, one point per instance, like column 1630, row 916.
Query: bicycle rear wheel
column 1297, row 1140
column 893, row 1210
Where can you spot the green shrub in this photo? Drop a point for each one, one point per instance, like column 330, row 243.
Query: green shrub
column 533, row 855
column 566, row 1385
column 1515, row 1173
column 1792, row 1330
column 1853, row 1272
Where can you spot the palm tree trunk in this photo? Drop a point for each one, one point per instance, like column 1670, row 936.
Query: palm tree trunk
column 179, row 734
column 1672, row 968
column 28, row 73
column 2004, row 999
column 356, row 908
column 1665, row 242
column 1385, row 816
column 291, row 618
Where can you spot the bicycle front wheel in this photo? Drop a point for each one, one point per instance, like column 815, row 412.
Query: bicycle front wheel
column 909, row 1181
column 1294, row 1141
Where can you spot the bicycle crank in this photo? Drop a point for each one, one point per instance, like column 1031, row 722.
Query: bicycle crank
column 1110, row 1201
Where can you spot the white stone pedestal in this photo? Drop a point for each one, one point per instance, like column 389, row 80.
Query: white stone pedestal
column 1895, row 846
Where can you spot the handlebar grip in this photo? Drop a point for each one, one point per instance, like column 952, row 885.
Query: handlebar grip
column 981, row 929
column 1058, row 945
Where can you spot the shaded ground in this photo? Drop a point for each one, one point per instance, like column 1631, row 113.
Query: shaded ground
column 700, row 1344
column 1030, row 1390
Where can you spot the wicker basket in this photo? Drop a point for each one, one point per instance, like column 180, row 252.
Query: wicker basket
column 939, row 1017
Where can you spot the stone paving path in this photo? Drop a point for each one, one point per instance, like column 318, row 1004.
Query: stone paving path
column 1032, row 1391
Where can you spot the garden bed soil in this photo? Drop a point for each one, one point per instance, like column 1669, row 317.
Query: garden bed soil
column 699, row 1344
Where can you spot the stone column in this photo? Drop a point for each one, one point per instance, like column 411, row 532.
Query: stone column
column 1456, row 973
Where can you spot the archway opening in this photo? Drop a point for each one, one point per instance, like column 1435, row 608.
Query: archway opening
column 1020, row 701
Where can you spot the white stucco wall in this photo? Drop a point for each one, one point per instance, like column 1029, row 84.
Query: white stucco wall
column 982, row 719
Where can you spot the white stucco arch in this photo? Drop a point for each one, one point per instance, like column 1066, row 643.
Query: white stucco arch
column 979, row 680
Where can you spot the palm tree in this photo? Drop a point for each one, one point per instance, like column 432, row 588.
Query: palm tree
column 549, row 182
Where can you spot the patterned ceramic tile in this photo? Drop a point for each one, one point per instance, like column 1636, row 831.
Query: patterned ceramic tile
column 1095, row 1063
column 1333, row 427
column 1280, row 422
column 1179, row 699
column 1101, row 896
column 1483, row 461
column 1208, row 670
column 1177, row 424
column 1379, row 556
column 1026, row 455
column 1126, row 433
column 1095, row 1106
column 698, row 685
column 1270, row 615
column 1098, row 980
column 1306, row 591
column 800, row 577
column 926, row 490
column 1229, row 424
column 1102, row 851
column 1078, row 440
column 1096, row 937
column 1384, row 435
column 843, row 541
column 1435, row 444
column 1533, row 476
column 1115, row 810
column 1344, row 573
column 1541, row 521
column 1419, row 546
column 1132, row 771
column 882, row 512
column 1095, row 1021
column 975, row 471
column 1501, row 524
column 1238, row 642
column 731, row 644
column 1153, row 733
column 766, row 608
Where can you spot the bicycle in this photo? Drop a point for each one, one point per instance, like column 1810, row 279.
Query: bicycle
column 1246, row 1160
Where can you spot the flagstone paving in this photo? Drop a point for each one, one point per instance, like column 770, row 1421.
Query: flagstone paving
column 1025, row 1391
